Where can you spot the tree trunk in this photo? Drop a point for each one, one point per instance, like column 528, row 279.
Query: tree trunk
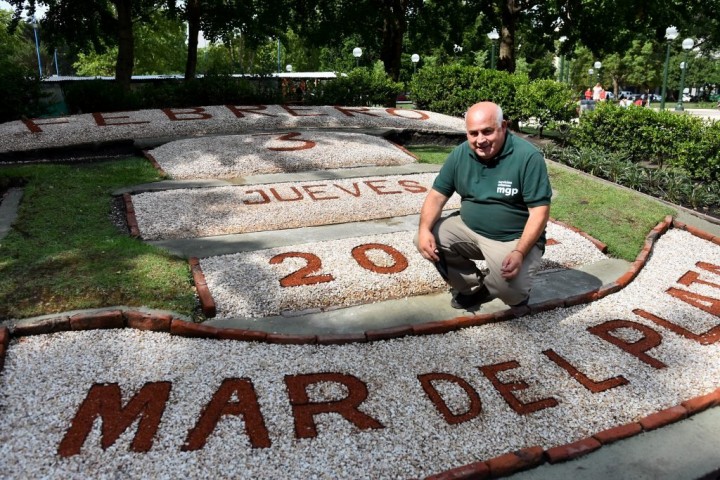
column 394, row 26
column 193, row 19
column 126, row 45
column 509, row 15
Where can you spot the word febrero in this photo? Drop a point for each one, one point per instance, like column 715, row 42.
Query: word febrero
column 203, row 113
column 238, row 397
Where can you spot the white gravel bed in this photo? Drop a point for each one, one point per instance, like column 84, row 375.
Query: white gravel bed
column 186, row 213
column 250, row 284
column 209, row 120
column 46, row 378
column 241, row 155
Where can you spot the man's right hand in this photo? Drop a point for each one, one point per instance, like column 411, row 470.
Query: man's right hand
column 426, row 245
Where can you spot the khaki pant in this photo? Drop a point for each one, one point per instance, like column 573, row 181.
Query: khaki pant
column 459, row 246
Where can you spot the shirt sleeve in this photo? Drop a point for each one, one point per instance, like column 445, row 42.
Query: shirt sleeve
column 536, row 183
column 445, row 181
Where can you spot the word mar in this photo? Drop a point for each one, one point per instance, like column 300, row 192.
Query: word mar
column 237, row 396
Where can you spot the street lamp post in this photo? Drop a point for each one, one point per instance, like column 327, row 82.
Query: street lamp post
column 34, row 25
column 278, row 55
column 671, row 34
column 493, row 36
column 590, row 76
column 415, row 58
column 687, row 45
column 357, row 53
column 598, row 66
column 562, row 59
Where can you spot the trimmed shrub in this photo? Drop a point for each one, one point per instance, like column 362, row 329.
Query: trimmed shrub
column 547, row 102
column 661, row 138
column 21, row 92
column 108, row 96
column 451, row 89
column 99, row 96
column 360, row 87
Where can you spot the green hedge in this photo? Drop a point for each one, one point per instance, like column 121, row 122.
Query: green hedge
column 451, row 89
column 22, row 96
column 108, row 96
column 662, row 138
column 360, row 87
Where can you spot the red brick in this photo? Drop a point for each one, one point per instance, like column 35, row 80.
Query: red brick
column 514, row 462
column 661, row 228
column 607, row 289
column 638, row 265
column 626, row 278
column 148, row 321
column 341, row 338
column 241, row 334
column 642, row 256
column 580, row 299
column 430, row 328
column 471, row 471
column 50, row 325
column 207, row 302
column 4, row 337
column 703, row 402
column 194, row 330
column 291, row 339
column 618, row 433
column 572, row 450
column 551, row 304
column 663, row 417
column 700, row 233
column 391, row 332
column 679, row 225
column 98, row 320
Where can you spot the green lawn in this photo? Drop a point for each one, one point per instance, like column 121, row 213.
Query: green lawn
column 65, row 253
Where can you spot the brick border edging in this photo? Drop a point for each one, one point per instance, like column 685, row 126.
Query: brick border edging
column 130, row 217
column 442, row 326
column 505, row 464
column 531, row 457
column 153, row 161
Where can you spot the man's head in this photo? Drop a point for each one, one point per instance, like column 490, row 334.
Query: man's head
column 486, row 129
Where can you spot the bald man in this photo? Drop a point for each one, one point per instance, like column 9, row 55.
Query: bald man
column 505, row 205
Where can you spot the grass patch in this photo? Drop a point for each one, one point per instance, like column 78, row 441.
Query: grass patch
column 617, row 217
column 430, row 153
column 65, row 253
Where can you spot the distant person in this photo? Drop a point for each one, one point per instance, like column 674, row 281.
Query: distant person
column 505, row 196
column 624, row 101
column 638, row 102
column 597, row 90
column 588, row 94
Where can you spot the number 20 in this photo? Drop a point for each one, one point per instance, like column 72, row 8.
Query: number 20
column 304, row 275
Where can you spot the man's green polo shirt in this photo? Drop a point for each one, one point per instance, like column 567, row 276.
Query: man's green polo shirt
column 496, row 196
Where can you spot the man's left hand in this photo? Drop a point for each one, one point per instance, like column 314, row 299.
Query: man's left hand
column 511, row 265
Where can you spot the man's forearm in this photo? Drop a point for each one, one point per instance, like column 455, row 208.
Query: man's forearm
column 534, row 227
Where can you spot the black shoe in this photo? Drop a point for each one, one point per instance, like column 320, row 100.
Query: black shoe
column 466, row 301
column 521, row 304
